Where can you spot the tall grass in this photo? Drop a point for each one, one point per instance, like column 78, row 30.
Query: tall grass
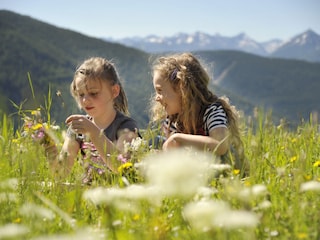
column 175, row 195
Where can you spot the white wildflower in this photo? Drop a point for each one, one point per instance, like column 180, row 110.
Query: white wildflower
column 264, row 205
column 116, row 223
column 33, row 210
column 251, row 193
column 259, row 190
column 126, row 146
column 205, row 193
column 220, row 167
column 201, row 214
column 235, row 219
column 46, row 184
column 140, row 192
column 177, row 172
column 81, row 234
column 55, row 127
column 136, row 143
column 310, row 186
column 12, row 230
column 123, row 198
column 274, row 233
column 102, row 195
column 7, row 196
column 11, row 183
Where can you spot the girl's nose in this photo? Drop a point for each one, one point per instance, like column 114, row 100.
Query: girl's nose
column 85, row 98
column 158, row 98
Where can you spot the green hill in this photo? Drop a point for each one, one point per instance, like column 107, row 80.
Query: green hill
column 51, row 55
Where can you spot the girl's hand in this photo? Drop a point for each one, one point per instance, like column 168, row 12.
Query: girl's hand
column 170, row 143
column 80, row 124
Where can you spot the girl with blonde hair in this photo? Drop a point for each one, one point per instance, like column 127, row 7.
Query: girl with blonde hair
column 105, row 127
column 191, row 114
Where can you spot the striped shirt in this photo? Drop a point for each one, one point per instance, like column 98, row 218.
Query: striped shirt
column 214, row 116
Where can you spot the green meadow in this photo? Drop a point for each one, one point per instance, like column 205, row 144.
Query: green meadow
column 173, row 195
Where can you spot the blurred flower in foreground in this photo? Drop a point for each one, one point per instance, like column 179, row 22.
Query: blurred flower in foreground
column 244, row 191
column 178, row 172
column 293, row 159
column 236, row 219
column 236, row 171
column 205, row 215
column 317, row 164
column 118, row 196
column 81, row 234
column 205, row 193
column 220, row 168
column 264, row 205
column 253, row 192
column 12, row 230
column 8, row 197
column 200, row 214
column 10, row 183
column 310, row 186
column 33, row 210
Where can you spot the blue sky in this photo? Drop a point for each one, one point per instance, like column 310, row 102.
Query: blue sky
column 262, row 20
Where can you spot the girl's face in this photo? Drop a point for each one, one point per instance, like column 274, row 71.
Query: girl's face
column 166, row 95
column 96, row 97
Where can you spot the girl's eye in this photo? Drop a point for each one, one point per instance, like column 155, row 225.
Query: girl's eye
column 93, row 94
column 81, row 95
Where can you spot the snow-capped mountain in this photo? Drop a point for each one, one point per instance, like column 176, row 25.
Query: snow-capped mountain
column 305, row 46
column 194, row 42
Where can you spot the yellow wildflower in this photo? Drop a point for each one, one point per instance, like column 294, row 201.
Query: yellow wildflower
column 36, row 112
column 293, row 159
column 247, row 183
column 136, row 217
column 307, row 177
column 236, row 171
column 124, row 166
column 302, row 236
column 17, row 220
column 37, row 126
column 317, row 164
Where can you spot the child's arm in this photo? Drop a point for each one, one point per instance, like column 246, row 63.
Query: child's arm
column 216, row 141
column 61, row 163
column 104, row 145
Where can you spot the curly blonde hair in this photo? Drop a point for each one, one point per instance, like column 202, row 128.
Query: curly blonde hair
column 187, row 76
column 100, row 69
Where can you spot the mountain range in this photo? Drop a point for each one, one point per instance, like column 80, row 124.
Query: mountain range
column 304, row 46
column 37, row 52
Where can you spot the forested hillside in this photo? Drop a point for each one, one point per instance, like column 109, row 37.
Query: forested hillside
column 51, row 55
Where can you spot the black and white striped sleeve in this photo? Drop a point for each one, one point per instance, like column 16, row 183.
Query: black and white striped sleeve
column 215, row 116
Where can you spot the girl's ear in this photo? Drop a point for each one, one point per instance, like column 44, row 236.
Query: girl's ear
column 115, row 90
